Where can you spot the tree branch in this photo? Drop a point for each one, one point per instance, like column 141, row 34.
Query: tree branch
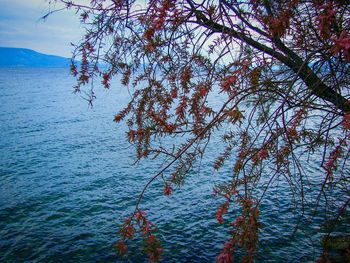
column 293, row 61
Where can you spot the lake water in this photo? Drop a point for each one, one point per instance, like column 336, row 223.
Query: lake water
column 67, row 181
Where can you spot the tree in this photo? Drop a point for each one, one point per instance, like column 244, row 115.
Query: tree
column 281, row 69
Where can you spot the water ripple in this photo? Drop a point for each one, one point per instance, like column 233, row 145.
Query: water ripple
column 66, row 182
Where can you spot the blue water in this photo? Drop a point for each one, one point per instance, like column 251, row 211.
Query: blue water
column 67, row 181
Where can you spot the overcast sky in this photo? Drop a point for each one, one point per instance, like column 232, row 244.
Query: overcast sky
column 20, row 26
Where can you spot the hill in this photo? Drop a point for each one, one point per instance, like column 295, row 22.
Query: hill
column 22, row 57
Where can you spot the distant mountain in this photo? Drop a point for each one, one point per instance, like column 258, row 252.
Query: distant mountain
column 22, row 57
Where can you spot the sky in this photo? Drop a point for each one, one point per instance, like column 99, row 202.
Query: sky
column 21, row 26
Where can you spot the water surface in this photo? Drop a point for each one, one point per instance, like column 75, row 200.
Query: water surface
column 67, row 181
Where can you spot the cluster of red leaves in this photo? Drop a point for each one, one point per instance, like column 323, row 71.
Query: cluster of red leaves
column 185, row 77
column 223, row 209
column 326, row 19
column 245, row 230
column 173, row 93
column 121, row 247
column 331, row 164
column 227, row 83
column 231, row 79
column 160, row 11
column 346, row 122
column 227, row 194
column 135, row 135
column 84, row 75
column 121, row 115
column 242, row 155
column 153, row 248
column 327, row 25
column 146, row 228
column 235, row 115
column 202, row 90
column 219, row 162
column 199, row 110
column 226, row 255
column 279, row 25
column 167, row 190
column 282, row 155
column 106, row 77
column 298, row 116
column 73, row 69
column 254, row 76
column 181, row 108
column 261, row 155
column 160, row 120
column 342, row 44
column 127, row 231
column 149, row 34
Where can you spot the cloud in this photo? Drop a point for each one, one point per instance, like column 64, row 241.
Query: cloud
column 21, row 26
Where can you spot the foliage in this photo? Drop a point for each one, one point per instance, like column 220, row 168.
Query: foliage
column 280, row 68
